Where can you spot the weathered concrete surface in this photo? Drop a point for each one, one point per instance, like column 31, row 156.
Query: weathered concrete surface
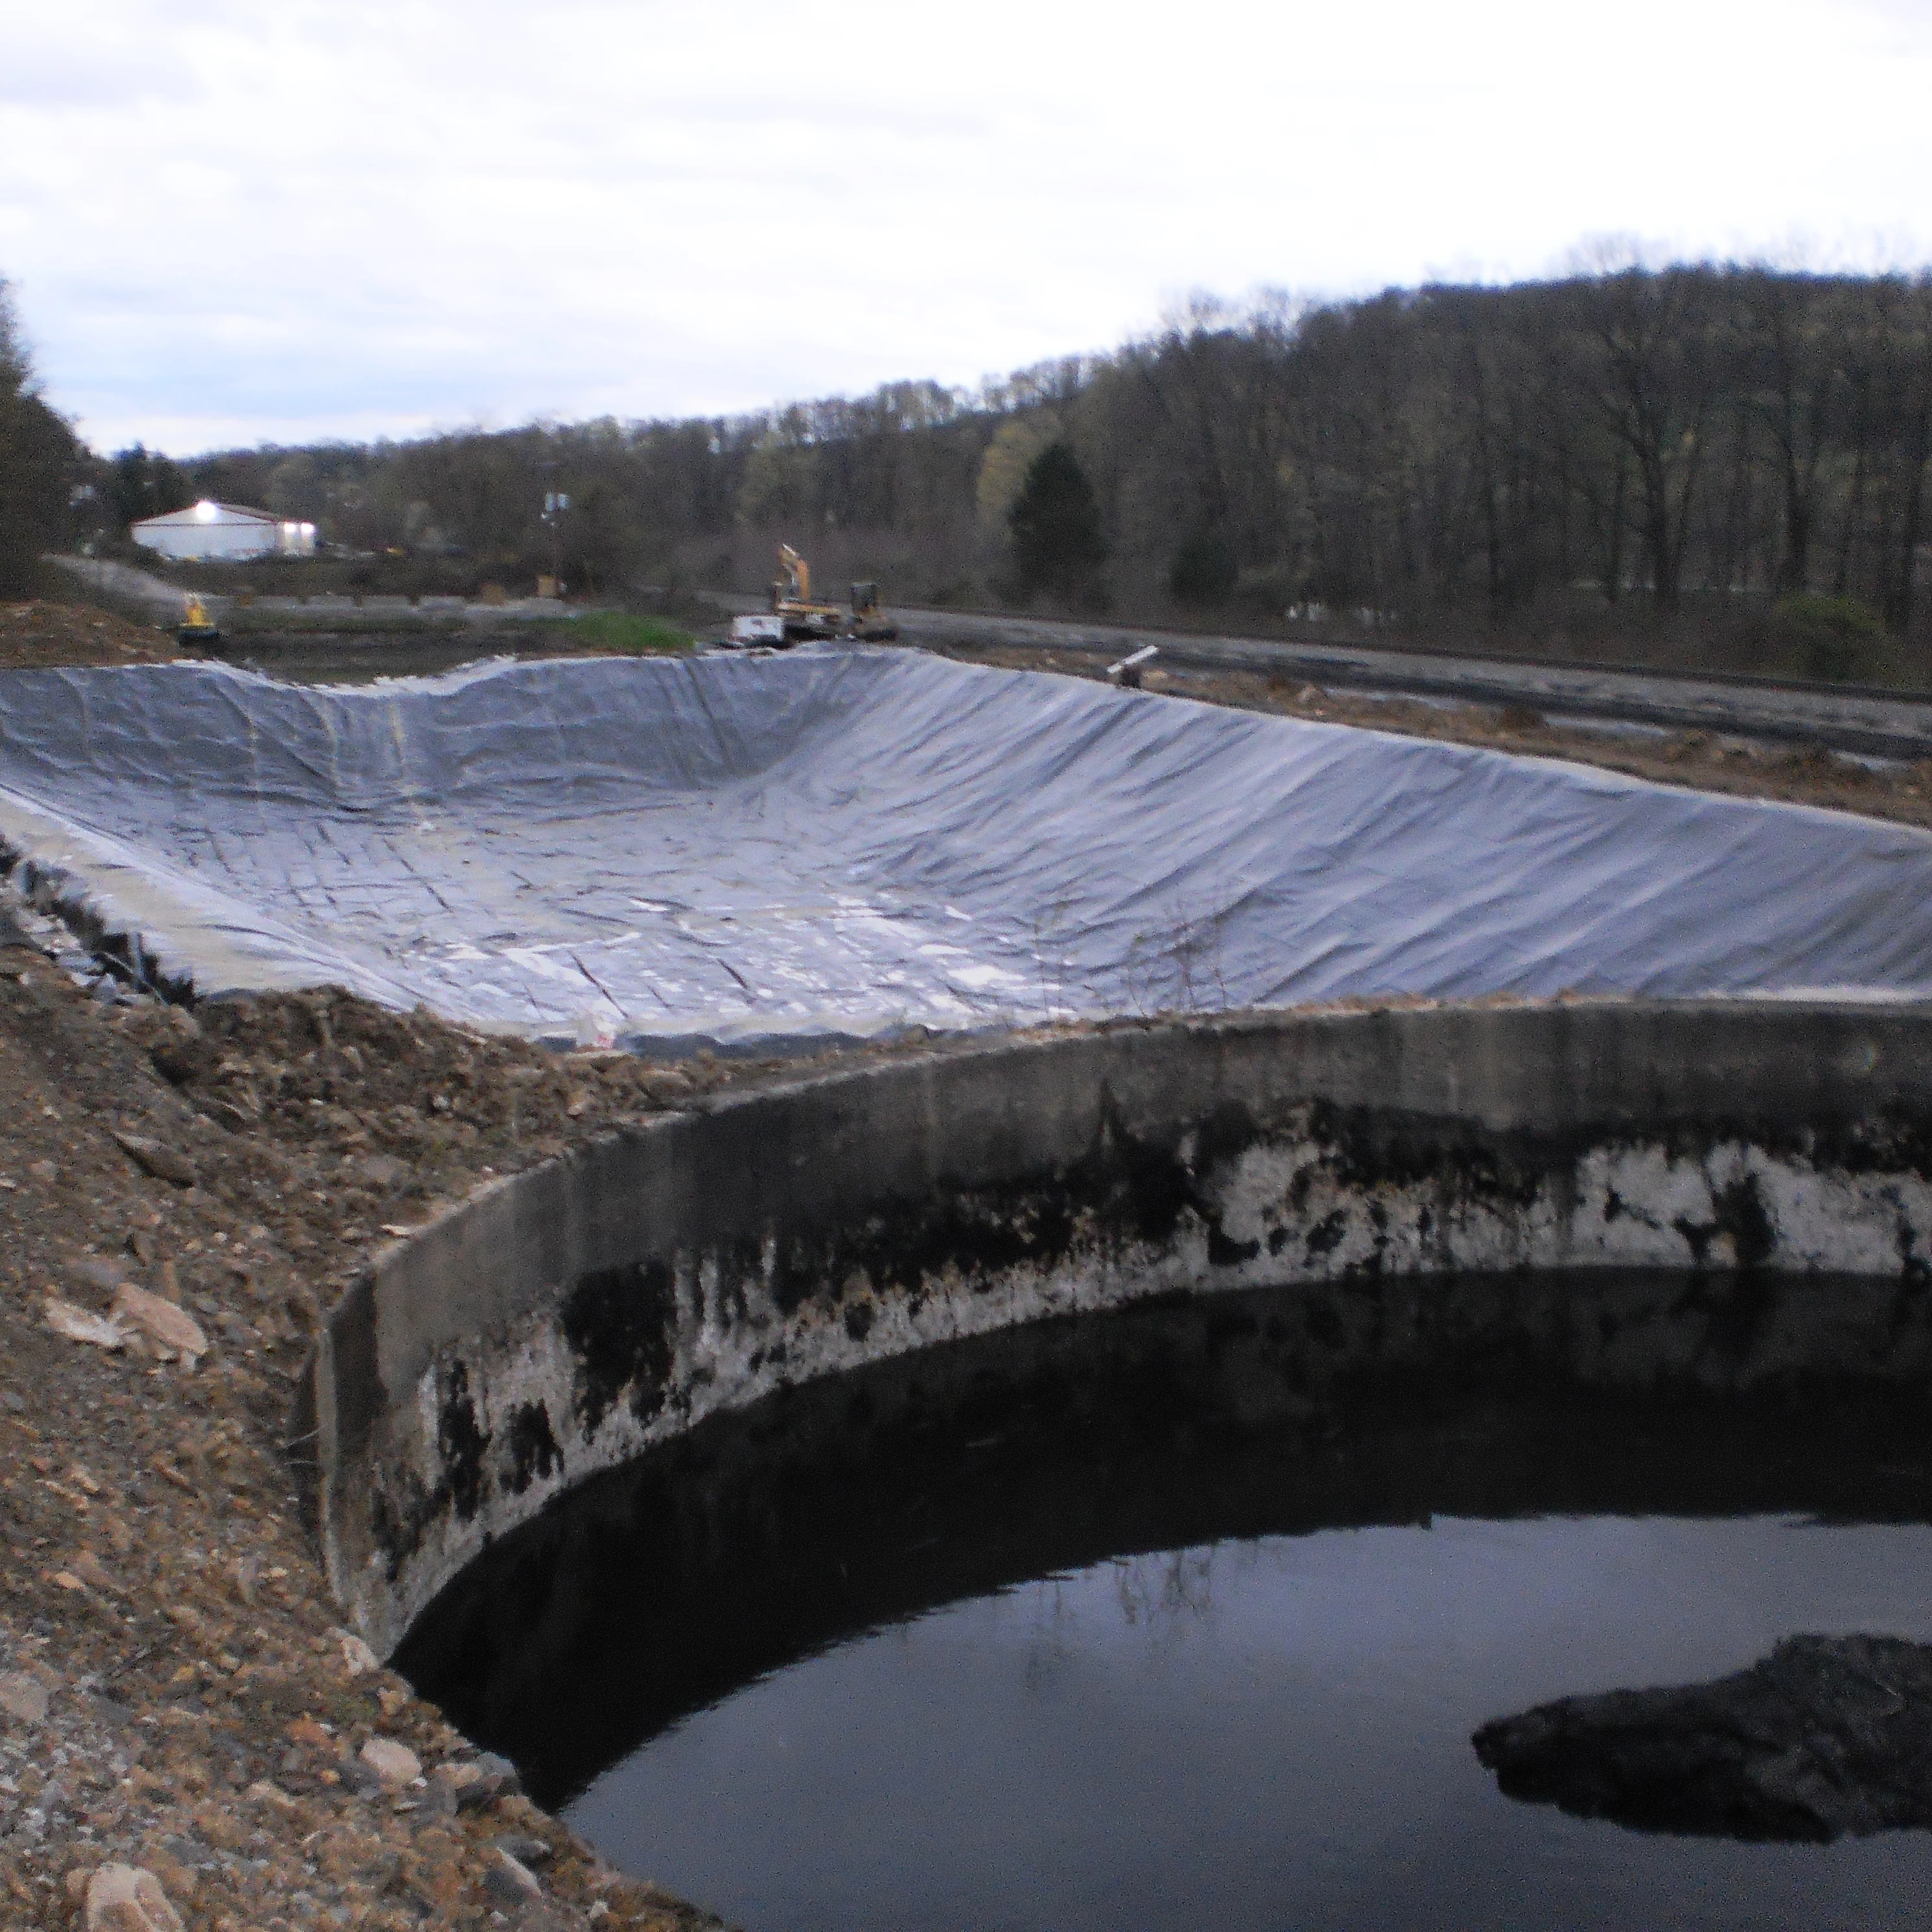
column 563, row 1320
column 1826, row 1736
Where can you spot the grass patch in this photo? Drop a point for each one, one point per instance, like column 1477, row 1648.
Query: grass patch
column 625, row 633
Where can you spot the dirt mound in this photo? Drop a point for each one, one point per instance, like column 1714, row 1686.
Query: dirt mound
column 40, row 635
column 402, row 1105
column 180, row 1195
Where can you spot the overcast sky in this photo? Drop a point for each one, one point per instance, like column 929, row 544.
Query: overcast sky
column 230, row 222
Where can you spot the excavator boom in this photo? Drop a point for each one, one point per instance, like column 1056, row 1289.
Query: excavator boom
column 798, row 571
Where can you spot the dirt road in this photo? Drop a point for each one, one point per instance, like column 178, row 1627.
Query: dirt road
column 1881, row 723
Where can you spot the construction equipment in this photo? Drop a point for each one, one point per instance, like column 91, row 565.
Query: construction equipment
column 196, row 627
column 802, row 618
column 867, row 623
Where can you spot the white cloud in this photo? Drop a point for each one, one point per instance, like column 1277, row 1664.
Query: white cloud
column 318, row 219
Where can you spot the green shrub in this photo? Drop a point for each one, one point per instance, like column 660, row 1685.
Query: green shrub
column 1833, row 634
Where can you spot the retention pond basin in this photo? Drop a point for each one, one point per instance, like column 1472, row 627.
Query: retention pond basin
column 754, row 851
column 1185, row 1615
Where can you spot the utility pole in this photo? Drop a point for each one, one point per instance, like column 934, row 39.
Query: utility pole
column 555, row 503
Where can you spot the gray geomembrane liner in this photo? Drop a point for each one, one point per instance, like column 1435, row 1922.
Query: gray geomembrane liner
column 748, row 850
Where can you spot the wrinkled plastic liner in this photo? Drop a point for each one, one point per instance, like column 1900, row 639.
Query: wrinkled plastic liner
column 757, row 851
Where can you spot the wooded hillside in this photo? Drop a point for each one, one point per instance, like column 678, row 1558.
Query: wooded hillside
column 1726, row 463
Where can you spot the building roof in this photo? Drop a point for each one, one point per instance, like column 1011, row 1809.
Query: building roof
column 206, row 512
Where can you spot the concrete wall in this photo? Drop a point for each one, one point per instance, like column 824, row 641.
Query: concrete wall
column 564, row 1318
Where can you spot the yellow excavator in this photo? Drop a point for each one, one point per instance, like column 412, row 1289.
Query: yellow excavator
column 801, row 617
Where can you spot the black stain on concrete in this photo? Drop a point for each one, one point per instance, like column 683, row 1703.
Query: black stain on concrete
column 1737, row 1211
column 461, row 1443
column 779, row 1235
column 618, row 1323
column 534, row 1452
column 403, row 1508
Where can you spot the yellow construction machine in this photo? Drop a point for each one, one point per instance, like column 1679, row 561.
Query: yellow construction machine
column 196, row 628
column 792, row 603
column 802, row 618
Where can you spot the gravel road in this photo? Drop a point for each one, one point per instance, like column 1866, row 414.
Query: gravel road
column 1883, row 723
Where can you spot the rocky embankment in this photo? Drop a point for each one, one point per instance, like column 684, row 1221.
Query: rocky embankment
column 180, row 1196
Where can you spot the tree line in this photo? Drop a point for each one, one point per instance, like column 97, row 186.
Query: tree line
column 1689, row 451
column 39, row 459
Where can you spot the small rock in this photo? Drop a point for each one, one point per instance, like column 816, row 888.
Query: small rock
column 439, row 1801
column 357, row 1656
column 384, row 1170
column 94, row 1272
column 511, row 1878
column 156, row 1158
column 44, row 1170
column 396, row 1765
column 24, row 1698
column 91, row 1571
column 525, row 1849
column 128, row 1898
column 473, row 1784
column 501, row 1772
column 170, row 1328
column 66, row 1317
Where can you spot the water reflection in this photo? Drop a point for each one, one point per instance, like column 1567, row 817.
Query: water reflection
column 1188, row 1613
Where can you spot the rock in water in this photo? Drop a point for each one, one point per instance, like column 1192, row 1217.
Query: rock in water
column 1827, row 1736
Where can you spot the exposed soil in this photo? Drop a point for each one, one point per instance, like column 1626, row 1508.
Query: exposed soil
column 204, row 1715
column 41, row 635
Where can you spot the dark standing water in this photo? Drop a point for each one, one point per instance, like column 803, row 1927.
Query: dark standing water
column 1183, row 1617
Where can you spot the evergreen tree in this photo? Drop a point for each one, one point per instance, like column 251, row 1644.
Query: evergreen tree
column 1055, row 526
column 143, row 483
column 36, row 450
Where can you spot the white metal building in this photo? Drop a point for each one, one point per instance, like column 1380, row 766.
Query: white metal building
column 224, row 530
